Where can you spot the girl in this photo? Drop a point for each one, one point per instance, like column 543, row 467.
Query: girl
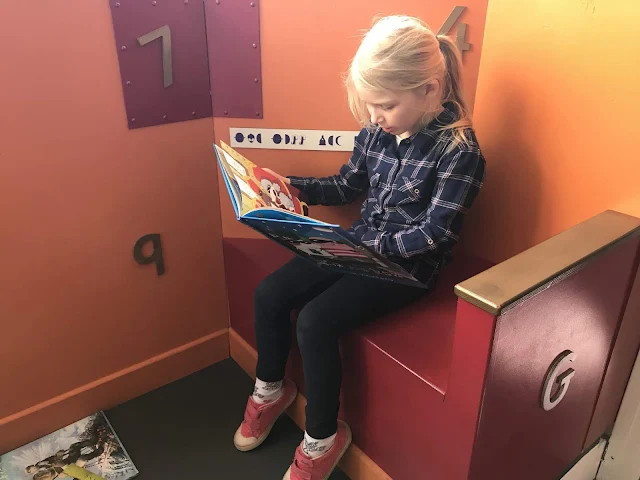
column 419, row 159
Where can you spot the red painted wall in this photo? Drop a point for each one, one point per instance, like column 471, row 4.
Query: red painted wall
column 77, row 189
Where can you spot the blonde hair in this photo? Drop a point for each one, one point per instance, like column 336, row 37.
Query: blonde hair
column 401, row 53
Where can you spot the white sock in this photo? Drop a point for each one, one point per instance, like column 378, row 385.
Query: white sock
column 314, row 447
column 266, row 392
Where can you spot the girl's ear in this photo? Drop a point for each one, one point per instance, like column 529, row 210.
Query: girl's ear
column 433, row 94
column 433, row 88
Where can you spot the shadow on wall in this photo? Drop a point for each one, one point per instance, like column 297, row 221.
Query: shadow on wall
column 506, row 215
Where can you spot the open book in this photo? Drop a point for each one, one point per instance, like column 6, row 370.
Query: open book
column 267, row 204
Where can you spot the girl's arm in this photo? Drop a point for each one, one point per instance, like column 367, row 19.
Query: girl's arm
column 460, row 176
column 342, row 188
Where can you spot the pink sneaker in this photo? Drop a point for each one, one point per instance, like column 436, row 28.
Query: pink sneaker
column 307, row 468
column 259, row 419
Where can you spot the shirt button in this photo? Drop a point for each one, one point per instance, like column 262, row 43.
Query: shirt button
column 417, row 190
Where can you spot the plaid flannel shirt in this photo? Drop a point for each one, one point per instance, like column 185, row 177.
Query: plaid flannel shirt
column 418, row 193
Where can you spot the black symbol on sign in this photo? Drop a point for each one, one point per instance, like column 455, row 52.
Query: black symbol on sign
column 251, row 137
column 239, row 137
column 156, row 254
column 322, row 140
column 293, row 140
column 277, row 139
column 331, row 140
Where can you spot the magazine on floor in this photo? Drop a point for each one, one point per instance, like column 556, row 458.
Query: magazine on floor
column 85, row 450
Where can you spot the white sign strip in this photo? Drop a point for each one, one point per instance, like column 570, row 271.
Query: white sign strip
column 281, row 139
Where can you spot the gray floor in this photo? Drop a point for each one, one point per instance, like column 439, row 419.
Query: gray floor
column 185, row 430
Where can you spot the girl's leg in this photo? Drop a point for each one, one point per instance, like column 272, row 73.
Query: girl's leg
column 283, row 290
column 277, row 295
column 348, row 303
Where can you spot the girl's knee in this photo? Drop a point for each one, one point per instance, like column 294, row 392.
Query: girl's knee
column 311, row 330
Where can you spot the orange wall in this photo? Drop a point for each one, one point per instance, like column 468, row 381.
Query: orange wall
column 630, row 205
column 556, row 114
column 306, row 46
column 77, row 189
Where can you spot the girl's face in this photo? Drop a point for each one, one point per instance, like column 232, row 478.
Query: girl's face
column 400, row 112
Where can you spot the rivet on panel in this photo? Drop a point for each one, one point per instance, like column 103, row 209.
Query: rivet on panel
column 253, row 4
column 123, row 48
column 255, row 80
column 255, row 45
column 217, row 2
column 257, row 114
column 128, row 82
column 154, row 3
column 186, row 2
column 193, row 114
column 117, row 5
column 164, row 117
column 133, row 120
column 226, row 112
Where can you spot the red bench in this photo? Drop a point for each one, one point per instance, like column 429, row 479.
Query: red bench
column 450, row 388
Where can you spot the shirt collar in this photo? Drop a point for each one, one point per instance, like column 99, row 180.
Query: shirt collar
column 426, row 136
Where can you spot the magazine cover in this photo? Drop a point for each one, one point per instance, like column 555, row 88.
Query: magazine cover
column 86, row 450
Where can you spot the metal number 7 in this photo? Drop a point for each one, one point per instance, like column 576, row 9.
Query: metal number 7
column 164, row 33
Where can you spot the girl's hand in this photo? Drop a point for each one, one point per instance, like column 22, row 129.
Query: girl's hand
column 284, row 179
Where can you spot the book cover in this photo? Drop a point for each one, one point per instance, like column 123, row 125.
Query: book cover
column 85, row 450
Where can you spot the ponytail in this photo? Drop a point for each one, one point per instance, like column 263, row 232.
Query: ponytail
column 452, row 89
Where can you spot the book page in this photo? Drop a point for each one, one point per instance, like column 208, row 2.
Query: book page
column 259, row 188
column 232, row 187
column 242, row 196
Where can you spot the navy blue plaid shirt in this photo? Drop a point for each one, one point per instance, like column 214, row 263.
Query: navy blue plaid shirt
column 418, row 193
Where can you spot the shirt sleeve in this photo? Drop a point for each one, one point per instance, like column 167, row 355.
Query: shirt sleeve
column 460, row 177
column 342, row 188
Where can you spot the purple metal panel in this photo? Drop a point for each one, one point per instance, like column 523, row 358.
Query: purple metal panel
column 162, row 51
column 233, row 33
column 516, row 437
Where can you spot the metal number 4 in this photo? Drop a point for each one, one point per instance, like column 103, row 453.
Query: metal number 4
column 167, row 64
column 462, row 28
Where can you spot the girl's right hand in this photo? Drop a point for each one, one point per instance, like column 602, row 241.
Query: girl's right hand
column 284, row 179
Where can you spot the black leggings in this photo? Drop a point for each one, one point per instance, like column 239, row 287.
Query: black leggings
column 335, row 304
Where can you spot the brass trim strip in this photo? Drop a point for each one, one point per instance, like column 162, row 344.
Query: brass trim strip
column 503, row 284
